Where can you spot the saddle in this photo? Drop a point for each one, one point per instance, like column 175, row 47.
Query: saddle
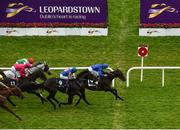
column 92, row 83
column 62, row 83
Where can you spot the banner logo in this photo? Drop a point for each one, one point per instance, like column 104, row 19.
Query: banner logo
column 9, row 31
column 157, row 9
column 51, row 30
column 14, row 8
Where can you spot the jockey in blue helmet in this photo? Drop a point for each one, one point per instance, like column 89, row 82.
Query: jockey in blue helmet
column 68, row 73
column 97, row 69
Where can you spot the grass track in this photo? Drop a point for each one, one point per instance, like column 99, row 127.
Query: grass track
column 146, row 105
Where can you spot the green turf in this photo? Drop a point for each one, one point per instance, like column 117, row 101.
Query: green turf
column 146, row 105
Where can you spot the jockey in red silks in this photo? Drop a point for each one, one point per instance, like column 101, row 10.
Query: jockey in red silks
column 20, row 69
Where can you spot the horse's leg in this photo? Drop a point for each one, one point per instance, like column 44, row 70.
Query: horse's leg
column 9, row 100
column 9, row 110
column 39, row 95
column 84, row 96
column 51, row 95
column 70, row 100
column 80, row 97
column 114, row 91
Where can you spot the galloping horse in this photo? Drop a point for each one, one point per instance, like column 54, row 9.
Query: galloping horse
column 28, row 84
column 104, row 83
column 5, row 93
column 36, row 71
column 70, row 87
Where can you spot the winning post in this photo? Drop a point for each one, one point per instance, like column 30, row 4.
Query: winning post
column 142, row 52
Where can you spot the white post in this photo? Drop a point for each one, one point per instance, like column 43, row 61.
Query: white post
column 142, row 64
column 162, row 77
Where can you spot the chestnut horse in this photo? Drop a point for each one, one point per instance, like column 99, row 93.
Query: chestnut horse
column 5, row 93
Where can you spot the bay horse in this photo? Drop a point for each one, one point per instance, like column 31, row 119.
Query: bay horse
column 104, row 83
column 28, row 85
column 70, row 87
column 5, row 93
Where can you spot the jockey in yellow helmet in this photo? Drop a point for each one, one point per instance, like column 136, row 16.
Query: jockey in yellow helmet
column 2, row 85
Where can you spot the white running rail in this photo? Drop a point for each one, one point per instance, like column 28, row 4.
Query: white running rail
column 150, row 68
column 62, row 68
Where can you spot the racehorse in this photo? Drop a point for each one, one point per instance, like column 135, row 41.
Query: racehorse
column 104, row 83
column 5, row 93
column 70, row 87
column 36, row 71
column 28, row 84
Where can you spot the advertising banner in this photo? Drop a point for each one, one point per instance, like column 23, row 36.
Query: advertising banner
column 160, row 13
column 53, row 13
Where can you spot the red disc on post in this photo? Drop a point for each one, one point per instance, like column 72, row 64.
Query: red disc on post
column 142, row 51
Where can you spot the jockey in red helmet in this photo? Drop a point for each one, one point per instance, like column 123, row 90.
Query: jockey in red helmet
column 31, row 60
column 24, row 61
column 19, row 69
column 21, row 66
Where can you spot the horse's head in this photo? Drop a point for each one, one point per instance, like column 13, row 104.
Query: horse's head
column 43, row 66
column 118, row 73
column 46, row 69
column 17, row 92
column 39, row 74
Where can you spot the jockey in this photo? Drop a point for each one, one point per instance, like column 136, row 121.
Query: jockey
column 20, row 69
column 68, row 73
column 97, row 69
column 24, row 61
column 2, row 85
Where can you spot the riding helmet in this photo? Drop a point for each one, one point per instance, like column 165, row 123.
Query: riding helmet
column 1, row 77
column 105, row 66
column 31, row 60
column 73, row 69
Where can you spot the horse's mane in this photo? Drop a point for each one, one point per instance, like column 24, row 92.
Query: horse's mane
column 37, row 63
column 82, row 73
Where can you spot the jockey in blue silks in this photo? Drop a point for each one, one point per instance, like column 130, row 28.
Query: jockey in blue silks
column 68, row 73
column 97, row 69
